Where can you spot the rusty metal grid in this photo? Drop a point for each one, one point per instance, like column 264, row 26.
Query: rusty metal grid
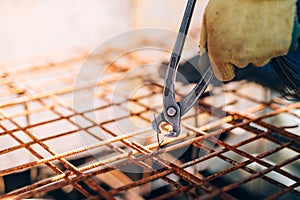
column 246, row 144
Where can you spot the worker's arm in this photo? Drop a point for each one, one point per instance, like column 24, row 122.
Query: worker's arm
column 236, row 33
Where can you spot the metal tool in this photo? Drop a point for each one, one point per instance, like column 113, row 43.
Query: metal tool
column 173, row 111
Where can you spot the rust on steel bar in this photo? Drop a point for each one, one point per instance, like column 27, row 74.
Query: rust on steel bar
column 31, row 101
column 244, row 164
column 251, row 177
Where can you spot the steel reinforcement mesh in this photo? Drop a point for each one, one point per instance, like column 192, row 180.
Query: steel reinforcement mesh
column 241, row 140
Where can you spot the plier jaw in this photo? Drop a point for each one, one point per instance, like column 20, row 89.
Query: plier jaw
column 173, row 111
column 174, row 123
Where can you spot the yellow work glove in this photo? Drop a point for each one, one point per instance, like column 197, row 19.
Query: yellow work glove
column 240, row 32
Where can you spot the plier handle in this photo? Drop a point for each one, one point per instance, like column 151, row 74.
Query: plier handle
column 172, row 110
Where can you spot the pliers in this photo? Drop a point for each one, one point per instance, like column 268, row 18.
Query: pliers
column 172, row 110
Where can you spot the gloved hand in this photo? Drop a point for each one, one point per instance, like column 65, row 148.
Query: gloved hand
column 240, row 32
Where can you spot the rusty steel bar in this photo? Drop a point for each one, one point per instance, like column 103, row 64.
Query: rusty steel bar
column 22, row 89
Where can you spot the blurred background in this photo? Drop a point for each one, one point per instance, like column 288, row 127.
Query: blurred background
column 33, row 30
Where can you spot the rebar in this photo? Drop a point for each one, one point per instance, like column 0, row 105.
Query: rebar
column 40, row 119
